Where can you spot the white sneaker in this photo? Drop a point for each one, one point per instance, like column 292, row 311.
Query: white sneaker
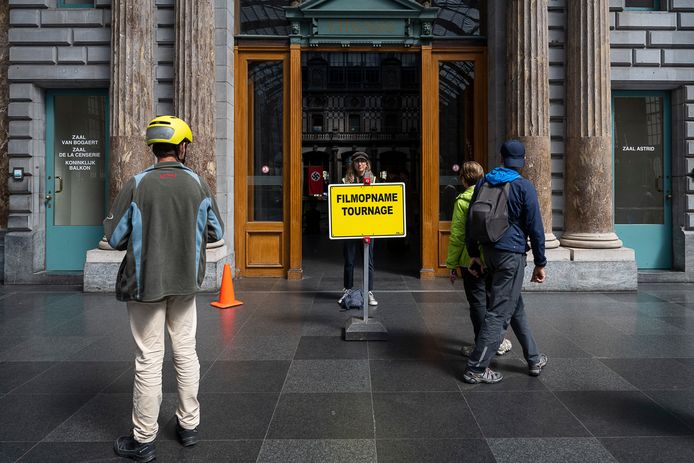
column 372, row 299
column 344, row 294
column 504, row 347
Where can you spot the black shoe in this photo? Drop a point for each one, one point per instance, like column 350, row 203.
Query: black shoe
column 187, row 437
column 128, row 447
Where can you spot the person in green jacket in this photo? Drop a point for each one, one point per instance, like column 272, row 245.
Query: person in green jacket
column 475, row 288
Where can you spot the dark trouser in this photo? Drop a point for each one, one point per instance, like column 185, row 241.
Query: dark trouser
column 476, row 294
column 350, row 250
column 506, row 271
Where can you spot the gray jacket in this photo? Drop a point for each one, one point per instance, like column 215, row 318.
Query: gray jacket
column 163, row 217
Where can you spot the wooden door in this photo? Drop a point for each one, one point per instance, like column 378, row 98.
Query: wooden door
column 454, row 130
column 261, row 162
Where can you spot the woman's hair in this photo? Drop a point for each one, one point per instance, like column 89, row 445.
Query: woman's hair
column 350, row 176
column 471, row 173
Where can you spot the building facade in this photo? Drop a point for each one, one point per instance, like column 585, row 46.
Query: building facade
column 280, row 93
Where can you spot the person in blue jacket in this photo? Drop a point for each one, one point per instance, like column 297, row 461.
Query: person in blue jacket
column 505, row 261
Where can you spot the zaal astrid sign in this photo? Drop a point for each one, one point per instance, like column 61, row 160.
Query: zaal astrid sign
column 376, row 210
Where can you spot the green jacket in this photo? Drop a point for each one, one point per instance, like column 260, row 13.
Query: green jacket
column 457, row 252
column 163, row 217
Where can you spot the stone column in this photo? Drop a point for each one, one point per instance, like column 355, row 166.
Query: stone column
column 589, row 214
column 194, row 82
column 528, row 98
column 4, row 102
column 132, row 88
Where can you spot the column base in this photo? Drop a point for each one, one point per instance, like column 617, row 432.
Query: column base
column 591, row 240
column 551, row 241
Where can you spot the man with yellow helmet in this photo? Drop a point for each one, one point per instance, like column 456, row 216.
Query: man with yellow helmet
column 163, row 218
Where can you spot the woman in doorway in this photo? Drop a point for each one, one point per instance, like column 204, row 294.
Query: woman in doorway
column 475, row 288
column 359, row 169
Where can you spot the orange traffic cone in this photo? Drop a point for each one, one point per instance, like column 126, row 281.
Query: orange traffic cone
column 226, row 294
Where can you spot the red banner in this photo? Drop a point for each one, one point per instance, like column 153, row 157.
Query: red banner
column 315, row 180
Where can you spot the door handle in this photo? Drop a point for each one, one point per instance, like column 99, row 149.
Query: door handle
column 659, row 184
column 48, row 199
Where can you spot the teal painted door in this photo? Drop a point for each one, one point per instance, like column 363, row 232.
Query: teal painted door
column 642, row 183
column 76, row 175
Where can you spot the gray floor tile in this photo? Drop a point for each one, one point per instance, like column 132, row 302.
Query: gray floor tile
column 423, row 415
column 13, row 374
column 405, row 347
column 105, row 417
column 261, row 348
column 11, row 451
column 107, row 349
column 32, row 416
column 232, row 416
column 650, row 449
column 207, row 451
column 70, row 452
column 433, row 450
column 550, row 450
column 523, row 414
column 328, row 376
column 621, row 413
column 74, row 378
column 665, row 374
column 245, row 376
column 582, row 375
column 45, row 348
column 412, row 376
column 635, row 324
column 318, row 451
column 678, row 403
column 438, row 296
column 8, row 342
column 329, row 347
column 323, row 416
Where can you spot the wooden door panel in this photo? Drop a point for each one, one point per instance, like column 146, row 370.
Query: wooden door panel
column 444, row 236
column 264, row 248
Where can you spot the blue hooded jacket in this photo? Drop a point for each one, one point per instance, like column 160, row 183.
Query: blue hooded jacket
column 524, row 216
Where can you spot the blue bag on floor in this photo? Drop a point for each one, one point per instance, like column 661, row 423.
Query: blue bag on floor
column 354, row 299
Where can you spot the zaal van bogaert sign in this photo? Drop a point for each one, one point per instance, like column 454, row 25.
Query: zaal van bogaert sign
column 361, row 22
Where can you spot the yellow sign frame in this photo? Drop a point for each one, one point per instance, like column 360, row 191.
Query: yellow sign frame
column 377, row 211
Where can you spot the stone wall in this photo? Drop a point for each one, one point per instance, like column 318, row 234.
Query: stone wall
column 49, row 47
column 4, row 99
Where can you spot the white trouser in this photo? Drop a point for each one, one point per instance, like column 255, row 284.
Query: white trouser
column 147, row 321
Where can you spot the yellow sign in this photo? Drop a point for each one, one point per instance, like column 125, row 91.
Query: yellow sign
column 377, row 210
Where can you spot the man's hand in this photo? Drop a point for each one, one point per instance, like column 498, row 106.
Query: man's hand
column 453, row 275
column 476, row 267
column 538, row 275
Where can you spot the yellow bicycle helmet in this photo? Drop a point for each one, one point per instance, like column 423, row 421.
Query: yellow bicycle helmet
column 168, row 129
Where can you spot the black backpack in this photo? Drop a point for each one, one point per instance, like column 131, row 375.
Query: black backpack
column 488, row 215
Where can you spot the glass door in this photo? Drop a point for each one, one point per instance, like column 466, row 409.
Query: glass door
column 76, row 175
column 261, row 164
column 642, row 184
column 455, row 117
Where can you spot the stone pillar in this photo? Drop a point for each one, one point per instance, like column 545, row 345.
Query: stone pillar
column 132, row 88
column 4, row 102
column 194, row 82
column 589, row 213
column 528, row 98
